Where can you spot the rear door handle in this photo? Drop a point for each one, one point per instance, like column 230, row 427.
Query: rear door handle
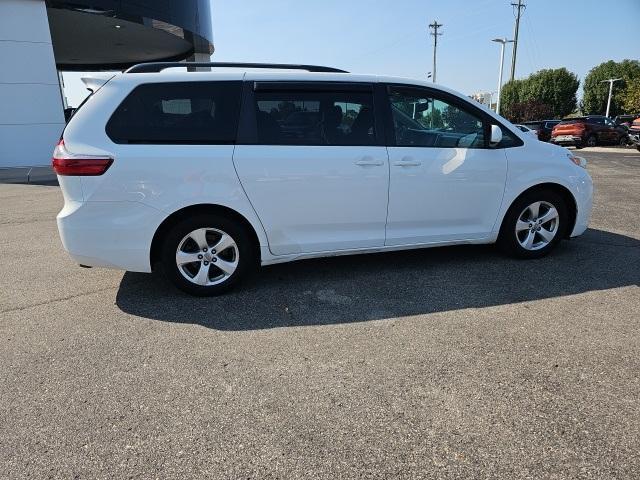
column 407, row 163
column 366, row 161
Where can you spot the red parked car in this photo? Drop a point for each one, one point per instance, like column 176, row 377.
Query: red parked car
column 588, row 132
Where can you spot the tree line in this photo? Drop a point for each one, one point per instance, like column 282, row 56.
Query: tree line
column 551, row 93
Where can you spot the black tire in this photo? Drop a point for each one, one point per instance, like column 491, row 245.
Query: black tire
column 508, row 239
column 591, row 141
column 623, row 141
column 243, row 252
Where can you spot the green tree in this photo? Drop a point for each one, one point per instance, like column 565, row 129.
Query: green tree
column 553, row 87
column 631, row 97
column 552, row 91
column 510, row 95
column 594, row 100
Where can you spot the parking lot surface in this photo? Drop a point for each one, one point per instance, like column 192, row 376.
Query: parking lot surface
column 442, row 363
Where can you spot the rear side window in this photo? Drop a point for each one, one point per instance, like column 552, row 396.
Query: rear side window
column 203, row 113
column 314, row 117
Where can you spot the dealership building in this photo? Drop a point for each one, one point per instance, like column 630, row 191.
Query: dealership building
column 40, row 38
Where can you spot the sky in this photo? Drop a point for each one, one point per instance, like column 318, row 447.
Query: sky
column 391, row 37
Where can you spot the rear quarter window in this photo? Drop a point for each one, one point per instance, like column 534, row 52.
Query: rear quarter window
column 178, row 113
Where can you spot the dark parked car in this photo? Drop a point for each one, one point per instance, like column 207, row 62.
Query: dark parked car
column 542, row 127
column 588, row 132
column 624, row 120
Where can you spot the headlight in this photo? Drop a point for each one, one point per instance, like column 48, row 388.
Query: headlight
column 579, row 161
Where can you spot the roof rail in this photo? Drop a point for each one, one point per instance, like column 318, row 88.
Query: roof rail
column 154, row 67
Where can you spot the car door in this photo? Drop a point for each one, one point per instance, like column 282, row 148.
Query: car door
column 613, row 132
column 312, row 161
column 601, row 130
column 446, row 184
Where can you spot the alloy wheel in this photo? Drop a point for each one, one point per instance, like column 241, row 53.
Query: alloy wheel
column 537, row 225
column 207, row 256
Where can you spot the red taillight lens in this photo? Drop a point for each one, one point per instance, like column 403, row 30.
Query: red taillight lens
column 85, row 166
column 65, row 163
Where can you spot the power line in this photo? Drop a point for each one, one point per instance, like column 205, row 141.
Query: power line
column 435, row 26
column 517, row 10
column 536, row 48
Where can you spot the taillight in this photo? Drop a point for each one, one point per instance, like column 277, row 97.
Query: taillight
column 66, row 163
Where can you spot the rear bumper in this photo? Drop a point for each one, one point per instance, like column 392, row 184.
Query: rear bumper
column 109, row 234
column 568, row 140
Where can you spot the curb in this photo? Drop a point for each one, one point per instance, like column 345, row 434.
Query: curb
column 29, row 175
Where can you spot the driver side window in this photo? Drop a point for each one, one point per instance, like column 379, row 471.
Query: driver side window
column 421, row 120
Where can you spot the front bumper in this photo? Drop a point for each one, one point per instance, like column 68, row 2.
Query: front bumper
column 583, row 192
column 109, row 234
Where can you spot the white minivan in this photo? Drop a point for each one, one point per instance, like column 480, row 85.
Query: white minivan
column 205, row 174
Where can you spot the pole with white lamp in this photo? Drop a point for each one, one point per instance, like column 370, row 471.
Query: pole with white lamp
column 502, row 42
column 610, row 81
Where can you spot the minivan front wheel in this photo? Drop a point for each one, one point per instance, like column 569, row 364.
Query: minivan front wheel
column 206, row 255
column 534, row 224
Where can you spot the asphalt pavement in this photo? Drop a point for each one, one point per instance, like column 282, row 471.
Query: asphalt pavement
column 442, row 363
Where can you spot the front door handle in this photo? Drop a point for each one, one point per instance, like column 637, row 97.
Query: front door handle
column 407, row 163
column 366, row 161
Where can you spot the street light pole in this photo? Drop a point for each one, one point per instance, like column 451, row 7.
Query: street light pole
column 502, row 42
column 611, row 81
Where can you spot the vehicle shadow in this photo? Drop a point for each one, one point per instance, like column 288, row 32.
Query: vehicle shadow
column 369, row 287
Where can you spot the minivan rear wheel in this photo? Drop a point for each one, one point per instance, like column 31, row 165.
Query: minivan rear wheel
column 534, row 225
column 206, row 255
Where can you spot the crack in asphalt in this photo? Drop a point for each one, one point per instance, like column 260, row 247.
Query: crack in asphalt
column 56, row 300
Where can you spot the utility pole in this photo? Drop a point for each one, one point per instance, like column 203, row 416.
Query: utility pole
column 517, row 10
column 610, row 81
column 502, row 42
column 435, row 26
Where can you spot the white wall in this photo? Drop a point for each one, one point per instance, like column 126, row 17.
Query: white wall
column 31, row 112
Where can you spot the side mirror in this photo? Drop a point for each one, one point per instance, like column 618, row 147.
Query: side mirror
column 496, row 135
